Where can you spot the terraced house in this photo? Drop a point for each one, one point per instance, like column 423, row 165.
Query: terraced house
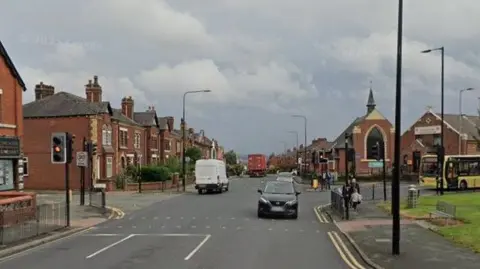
column 123, row 137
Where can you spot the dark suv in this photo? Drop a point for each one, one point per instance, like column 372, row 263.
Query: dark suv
column 278, row 198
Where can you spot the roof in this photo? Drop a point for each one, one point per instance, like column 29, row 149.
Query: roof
column 148, row 118
column 468, row 124
column 64, row 104
column 118, row 115
column 11, row 66
column 163, row 123
column 339, row 142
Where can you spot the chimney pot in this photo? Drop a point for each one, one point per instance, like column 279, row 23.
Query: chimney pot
column 95, row 79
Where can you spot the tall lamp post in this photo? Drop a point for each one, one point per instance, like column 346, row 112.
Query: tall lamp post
column 398, row 111
column 296, row 151
column 442, row 145
column 461, row 118
column 184, row 136
column 305, row 145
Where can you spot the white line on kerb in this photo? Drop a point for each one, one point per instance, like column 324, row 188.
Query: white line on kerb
column 109, row 246
column 198, row 247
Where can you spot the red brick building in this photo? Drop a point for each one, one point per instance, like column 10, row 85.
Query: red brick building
column 365, row 132
column 11, row 124
column 461, row 137
column 117, row 135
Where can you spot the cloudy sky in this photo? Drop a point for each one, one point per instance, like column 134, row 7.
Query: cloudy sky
column 263, row 60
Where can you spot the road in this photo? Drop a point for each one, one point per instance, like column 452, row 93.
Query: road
column 191, row 231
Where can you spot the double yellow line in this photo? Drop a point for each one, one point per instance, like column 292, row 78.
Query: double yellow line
column 116, row 213
column 322, row 218
column 344, row 252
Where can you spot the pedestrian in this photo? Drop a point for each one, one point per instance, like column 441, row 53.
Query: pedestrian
column 356, row 199
column 329, row 179
column 346, row 193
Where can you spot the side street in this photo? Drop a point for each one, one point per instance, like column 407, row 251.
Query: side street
column 134, row 162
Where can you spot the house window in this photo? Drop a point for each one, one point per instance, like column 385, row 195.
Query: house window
column 106, row 135
column 123, row 138
column 109, row 167
column 437, row 139
column 25, row 166
column 136, row 142
column 168, row 145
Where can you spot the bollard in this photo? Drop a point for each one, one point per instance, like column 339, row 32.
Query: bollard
column 373, row 191
column 412, row 197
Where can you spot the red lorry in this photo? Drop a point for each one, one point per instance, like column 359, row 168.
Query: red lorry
column 257, row 165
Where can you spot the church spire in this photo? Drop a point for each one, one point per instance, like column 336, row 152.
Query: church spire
column 371, row 101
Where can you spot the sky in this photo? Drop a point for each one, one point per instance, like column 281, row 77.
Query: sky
column 263, row 60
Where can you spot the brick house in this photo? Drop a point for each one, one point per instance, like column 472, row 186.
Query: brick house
column 366, row 131
column 322, row 147
column 151, row 123
column 168, row 145
column 11, row 124
column 65, row 112
column 424, row 135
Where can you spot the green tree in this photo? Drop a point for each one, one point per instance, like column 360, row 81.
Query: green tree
column 231, row 157
column 194, row 154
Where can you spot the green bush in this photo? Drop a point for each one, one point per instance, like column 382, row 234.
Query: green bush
column 173, row 164
column 154, row 173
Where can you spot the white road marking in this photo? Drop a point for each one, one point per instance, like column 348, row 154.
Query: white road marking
column 197, row 248
column 270, row 229
column 208, row 227
column 149, row 226
column 193, row 227
column 143, row 217
column 286, row 230
column 193, row 217
column 134, row 227
column 232, row 218
column 106, row 235
column 131, row 218
column 301, row 231
column 155, row 218
column 223, row 227
column 181, row 217
column 163, row 227
column 119, row 227
column 178, row 226
column 109, row 246
column 239, row 228
column 168, row 217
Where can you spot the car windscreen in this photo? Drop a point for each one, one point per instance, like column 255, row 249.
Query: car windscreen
column 280, row 188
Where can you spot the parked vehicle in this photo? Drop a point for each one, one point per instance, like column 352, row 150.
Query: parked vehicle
column 257, row 165
column 211, row 175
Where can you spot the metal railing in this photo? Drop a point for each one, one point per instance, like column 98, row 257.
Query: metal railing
column 18, row 225
column 337, row 203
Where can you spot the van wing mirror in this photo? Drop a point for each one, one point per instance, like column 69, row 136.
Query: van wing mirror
column 298, row 192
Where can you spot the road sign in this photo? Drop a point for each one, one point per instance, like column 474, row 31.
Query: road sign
column 375, row 164
column 82, row 159
column 299, row 160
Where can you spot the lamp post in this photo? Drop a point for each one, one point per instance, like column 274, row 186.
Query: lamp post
column 398, row 111
column 184, row 136
column 296, row 151
column 305, row 145
column 441, row 154
column 461, row 118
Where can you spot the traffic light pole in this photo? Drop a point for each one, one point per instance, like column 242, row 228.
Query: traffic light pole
column 384, row 173
column 346, row 196
column 82, row 175
column 67, row 183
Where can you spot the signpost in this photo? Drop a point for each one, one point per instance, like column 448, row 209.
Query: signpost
column 82, row 159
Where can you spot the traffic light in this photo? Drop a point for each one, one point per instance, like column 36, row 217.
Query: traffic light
column 69, row 147
column 376, row 151
column 59, row 148
column 314, row 156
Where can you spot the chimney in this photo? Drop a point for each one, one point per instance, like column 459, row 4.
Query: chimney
column 170, row 121
column 43, row 91
column 127, row 107
column 93, row 90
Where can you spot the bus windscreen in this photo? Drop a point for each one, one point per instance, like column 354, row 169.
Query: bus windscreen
column 429, row 167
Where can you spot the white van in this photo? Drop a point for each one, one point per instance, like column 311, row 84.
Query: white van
column 211, row 175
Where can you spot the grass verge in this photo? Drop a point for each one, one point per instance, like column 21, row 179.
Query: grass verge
column 468, row 212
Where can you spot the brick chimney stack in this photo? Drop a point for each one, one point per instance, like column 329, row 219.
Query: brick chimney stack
column 43, row 91
column 127, row 107
column 93, row 90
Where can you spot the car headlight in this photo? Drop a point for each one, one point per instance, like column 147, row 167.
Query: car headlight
column 263, row 200
column 292, row 202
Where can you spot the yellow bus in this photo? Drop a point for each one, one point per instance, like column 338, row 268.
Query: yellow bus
column 461, row 171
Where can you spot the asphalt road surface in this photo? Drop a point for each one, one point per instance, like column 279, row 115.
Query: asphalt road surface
column 191, row 231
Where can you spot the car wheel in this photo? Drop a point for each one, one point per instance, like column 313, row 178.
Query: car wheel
column 220, row 190
column 200, row 191
column 259, row 214
column 463, row 185
column 295, row 216
column 226, row 189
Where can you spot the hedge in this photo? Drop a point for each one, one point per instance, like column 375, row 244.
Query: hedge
column 154, row 173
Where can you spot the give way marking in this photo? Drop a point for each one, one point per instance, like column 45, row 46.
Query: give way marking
column 188, row 257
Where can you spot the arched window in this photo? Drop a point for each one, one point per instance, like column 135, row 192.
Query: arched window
column 373, row 137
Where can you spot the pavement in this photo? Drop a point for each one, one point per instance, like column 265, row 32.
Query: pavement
column 209, row 231
column 420, row 247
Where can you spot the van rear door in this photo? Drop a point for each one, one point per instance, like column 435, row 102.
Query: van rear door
column 206, row 174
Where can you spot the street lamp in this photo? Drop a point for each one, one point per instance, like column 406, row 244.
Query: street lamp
column 296, row 152
column 305, row 145
column 398, row 121
column 184, row 138
column 442, row 145
column 461, row 118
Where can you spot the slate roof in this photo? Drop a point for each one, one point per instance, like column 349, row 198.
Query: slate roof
column 64, row 104
column 117, row 115
column 339, row 142
column 469, row 124
column 11, row 66
column 148, row 118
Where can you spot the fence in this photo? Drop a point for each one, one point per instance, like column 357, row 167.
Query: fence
column 18, row 225
column 337, row 202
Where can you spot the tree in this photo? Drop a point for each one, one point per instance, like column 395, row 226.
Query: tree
column 231, row 157
column 194, row 154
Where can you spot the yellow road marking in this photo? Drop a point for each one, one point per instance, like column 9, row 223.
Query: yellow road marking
column 349, row 254
column 320, row 216
column 342, row 255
